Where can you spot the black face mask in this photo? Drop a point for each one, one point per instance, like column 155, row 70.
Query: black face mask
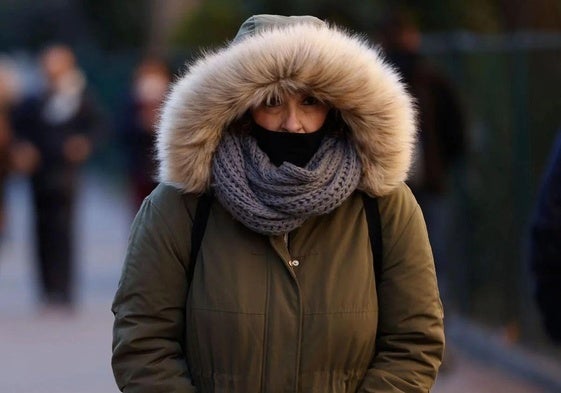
column 291, row 147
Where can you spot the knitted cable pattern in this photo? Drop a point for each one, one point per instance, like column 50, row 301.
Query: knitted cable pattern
column 274, row 200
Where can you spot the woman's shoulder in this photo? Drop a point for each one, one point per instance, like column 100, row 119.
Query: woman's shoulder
column 400, row 201
column 399, row 210
column 403, row 226
column 172, row 202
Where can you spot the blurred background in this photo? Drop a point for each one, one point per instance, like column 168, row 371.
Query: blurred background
column 486, row 74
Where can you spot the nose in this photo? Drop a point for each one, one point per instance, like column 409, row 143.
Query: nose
column 291, row 121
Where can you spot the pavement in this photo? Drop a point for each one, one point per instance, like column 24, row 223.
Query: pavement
column 53, row 352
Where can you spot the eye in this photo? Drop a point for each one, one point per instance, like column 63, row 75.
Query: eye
column 310, row 100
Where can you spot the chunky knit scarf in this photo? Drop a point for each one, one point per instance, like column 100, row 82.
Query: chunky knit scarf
column 275, row 200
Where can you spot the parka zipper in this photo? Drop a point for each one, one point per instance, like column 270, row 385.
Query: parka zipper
column 291, row 264
column 295, row 263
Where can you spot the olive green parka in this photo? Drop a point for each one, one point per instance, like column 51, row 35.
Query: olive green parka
column 295, row 313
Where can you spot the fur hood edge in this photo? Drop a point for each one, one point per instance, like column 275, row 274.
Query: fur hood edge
column 325, row 61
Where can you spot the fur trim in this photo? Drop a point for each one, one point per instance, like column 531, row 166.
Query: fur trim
column 327, row 62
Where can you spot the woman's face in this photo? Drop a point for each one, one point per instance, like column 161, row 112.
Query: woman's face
column 298, row 113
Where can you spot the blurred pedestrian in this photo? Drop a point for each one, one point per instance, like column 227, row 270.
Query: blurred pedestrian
column 9, row 92
column 282, row 250
column 442, row 139
column 545, row 245
column 5, row 142
column 56, row 131
column 150, row 83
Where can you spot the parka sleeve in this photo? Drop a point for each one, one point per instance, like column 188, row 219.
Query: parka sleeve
column 149, row 305
column 410, row 340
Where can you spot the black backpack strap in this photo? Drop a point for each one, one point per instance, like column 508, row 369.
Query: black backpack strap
column 198, row 230
column 374, row 232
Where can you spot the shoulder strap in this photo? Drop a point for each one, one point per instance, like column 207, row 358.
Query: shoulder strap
column 374, row 232
column 198, row 230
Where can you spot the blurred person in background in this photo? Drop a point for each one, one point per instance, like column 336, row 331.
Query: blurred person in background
column 442, row 139
column 55, row 131
column 545, row 245
column 150, row 83
column 252, row 267
column 8, row 97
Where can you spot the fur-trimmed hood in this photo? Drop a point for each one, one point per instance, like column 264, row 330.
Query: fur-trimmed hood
column 276, row 55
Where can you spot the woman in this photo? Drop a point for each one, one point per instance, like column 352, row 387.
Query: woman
column 287, row 127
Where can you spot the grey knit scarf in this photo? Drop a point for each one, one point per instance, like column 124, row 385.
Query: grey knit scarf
column 275, row 200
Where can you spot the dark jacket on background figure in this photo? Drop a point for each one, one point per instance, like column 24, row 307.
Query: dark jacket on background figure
column 442, row 133
column 545, row 246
